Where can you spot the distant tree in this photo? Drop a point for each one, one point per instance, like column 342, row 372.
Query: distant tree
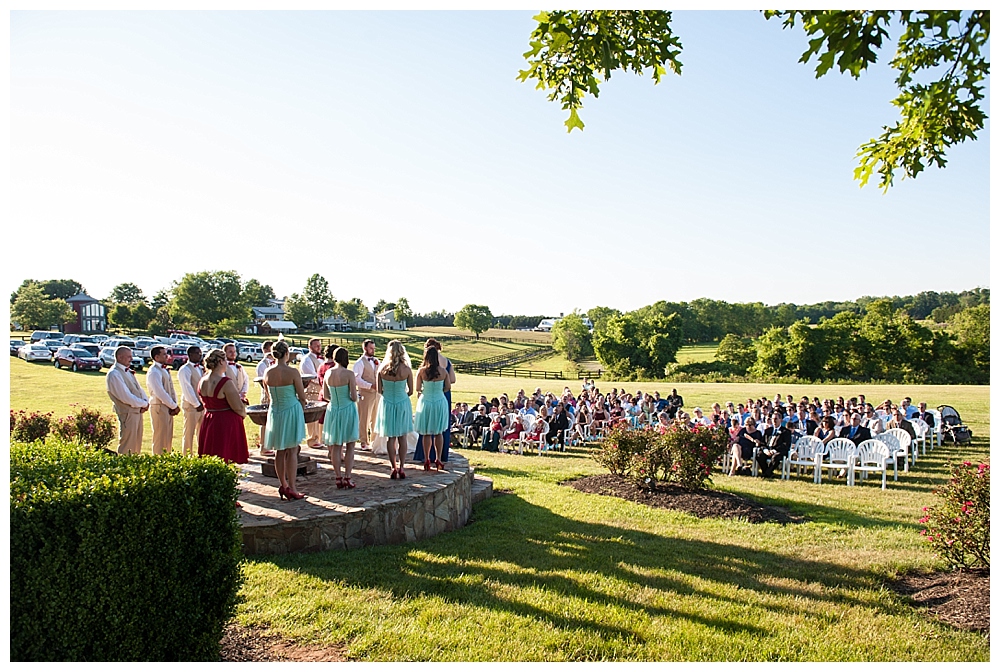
column 353, row 310
column 972, row 333
column 34, row 309
column 229, row 328
column 772, row 354
column 54, row 289
column 142, row 315
column 599, row 315
column 160, row 299
column 474, row 318
column 120, row 315
column 737, row 351
column 206, row 298
column 126, row 292
column 319, row 298
column 380, row 305
column 403, row 312
column 162, row 322
column 256, row 294
column 571, row 337
column 638, row 344
column 297, row 310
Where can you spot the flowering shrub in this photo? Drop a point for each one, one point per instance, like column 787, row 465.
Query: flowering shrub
column 681, row 455
column 95, row 429
column 29, row 427
column 958, row 527
column 64, row 428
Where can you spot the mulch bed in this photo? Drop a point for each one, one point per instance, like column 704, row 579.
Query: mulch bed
column 246, row 645
column 960, row 599
column 701, row 503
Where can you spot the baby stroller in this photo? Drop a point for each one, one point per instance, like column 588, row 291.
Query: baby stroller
column 952, row 428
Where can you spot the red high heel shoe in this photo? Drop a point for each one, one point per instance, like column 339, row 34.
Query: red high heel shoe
column 394, row 475
column 294, row 495
column 340, row 483
column 348, row 483
column 427, row 465
column 282, row 494
column 439, row 465
column 402, row 474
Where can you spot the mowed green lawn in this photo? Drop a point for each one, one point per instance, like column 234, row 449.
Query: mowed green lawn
column 544, row 572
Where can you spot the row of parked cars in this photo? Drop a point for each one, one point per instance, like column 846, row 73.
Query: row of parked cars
column 91, row 352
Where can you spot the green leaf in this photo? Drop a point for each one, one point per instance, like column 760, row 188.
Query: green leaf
column 574, row 121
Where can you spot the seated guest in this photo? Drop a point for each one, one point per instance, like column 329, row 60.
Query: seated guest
column 855, row 431
column 872, row 420
column 700, row 419
column 926, row 415
column 492, row 435
column 804, row 426
column 529, row 408
column 663, row 422
column 582, row 425
column 898, row 421
column 777, row 443
column 599, row 419
column 747, row 438
column 827, row 429
column 514, row 431
column 558, row 427
column 909, row 412
column 479, row 424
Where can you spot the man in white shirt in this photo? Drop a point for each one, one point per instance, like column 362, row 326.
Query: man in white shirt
column 700, row 418
column 163, row 404
column 365, row 375
column 309, row 366
column 236, row 371
column 190, row 377
column 129, row 400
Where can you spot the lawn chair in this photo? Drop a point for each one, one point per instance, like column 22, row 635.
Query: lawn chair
column 808, row 452
column 873, row 455
column 937, row 431
column 895, row 451
column 922, row 429
column 904, row 439
column 543, row 428
column 841, row 454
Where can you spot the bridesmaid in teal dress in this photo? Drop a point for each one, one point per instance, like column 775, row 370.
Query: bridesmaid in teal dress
column 394, row 419
column 286, row 426
column 340, row 425
column 433, row 412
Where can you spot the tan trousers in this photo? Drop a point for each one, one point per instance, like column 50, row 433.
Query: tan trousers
column 367, row 405
column 163, row 428
column 314, row 430
column 192, row 422
column 129, row 430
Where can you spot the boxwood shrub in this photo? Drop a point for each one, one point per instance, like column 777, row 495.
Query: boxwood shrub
column 120, row 558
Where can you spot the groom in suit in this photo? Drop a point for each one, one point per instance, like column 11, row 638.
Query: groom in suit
column 365, row 375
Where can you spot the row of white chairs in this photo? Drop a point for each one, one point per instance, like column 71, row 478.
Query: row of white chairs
column 841, row 454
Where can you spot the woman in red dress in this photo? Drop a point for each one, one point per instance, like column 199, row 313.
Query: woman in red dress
column 222, row 433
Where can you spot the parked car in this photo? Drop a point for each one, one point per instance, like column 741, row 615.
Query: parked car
column 70, row 339
column 53, row 344
column 142, row 347
column 41, row 335
column 116, row 341
column 76, row 359
column 107, row 358
column 250, row 352
column 177, row 356
column 15, row 345
column 33, row 352
column 92, row 348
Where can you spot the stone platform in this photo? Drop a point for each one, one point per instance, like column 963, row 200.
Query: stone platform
column 378, row 511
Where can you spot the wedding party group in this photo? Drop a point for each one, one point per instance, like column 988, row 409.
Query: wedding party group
column 363, row 401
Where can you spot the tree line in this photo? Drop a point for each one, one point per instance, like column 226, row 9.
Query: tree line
column 218, row 302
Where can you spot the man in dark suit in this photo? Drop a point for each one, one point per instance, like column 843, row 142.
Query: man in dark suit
column 803, row 426
column 855, row 431
column 777, row 444
column 557, row 427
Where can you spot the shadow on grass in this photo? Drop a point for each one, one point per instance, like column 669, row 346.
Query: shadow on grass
column 514, row 544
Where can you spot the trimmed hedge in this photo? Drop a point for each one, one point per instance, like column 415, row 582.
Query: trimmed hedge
column 120, row 558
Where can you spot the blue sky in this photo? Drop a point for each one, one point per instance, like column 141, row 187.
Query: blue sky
column 396, row 154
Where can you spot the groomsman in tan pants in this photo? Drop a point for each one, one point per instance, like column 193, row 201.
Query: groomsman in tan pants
column 163, row 404
column 365, row 374
column 310, row 366
column 189, row 377
column 129, row 400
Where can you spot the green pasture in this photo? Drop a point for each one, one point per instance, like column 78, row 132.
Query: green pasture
column 541, row 337
column 700, row 352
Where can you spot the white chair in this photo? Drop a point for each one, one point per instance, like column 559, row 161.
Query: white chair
column 895, row 451
column 873, row 455
column 923, row 430
column 808, row 452
column 904, row 443
column 840, row 454
column 937, row 431
column 542, row 427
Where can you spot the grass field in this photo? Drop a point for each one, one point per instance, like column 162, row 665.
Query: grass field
column 701, row 352
column 543, row 337
column 544, row 572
